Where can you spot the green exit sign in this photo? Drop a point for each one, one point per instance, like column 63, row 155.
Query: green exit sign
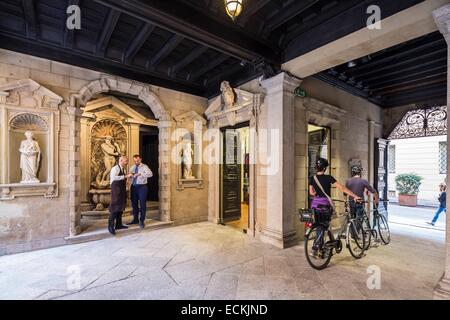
column 300, row 92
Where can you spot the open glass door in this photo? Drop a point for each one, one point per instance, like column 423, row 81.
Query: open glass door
column 235, row 177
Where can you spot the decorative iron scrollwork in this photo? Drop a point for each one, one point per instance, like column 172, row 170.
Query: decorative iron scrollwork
column 426, row 122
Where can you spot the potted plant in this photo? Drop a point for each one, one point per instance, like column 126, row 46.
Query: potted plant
column 408, row 187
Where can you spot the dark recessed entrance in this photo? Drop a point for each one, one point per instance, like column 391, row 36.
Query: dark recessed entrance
column 149, row 150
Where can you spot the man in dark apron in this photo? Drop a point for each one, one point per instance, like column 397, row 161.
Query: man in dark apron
column 118, row 195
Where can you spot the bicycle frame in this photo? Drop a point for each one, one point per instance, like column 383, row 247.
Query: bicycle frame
column 343, row 229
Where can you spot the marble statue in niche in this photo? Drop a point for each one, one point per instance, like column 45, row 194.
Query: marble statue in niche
column 108, row 142
column 30, row 155
column 187, row 155
column 111, row 151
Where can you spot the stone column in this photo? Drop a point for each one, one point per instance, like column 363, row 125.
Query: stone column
column 279, row 229
column 85, row 159
column 4, row 143
column 442, row 19
column 165, row 134
column 74, row 169
column 373, row 134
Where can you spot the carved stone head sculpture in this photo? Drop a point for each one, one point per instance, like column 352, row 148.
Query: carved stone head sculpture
column 228, row 94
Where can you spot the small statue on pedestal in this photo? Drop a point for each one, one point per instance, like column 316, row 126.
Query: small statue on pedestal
column 187, row 155
column 30, row 155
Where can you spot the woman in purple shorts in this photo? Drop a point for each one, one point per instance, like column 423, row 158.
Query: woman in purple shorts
column 322, row 194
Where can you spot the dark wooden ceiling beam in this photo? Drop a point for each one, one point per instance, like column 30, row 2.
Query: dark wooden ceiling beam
column 409, row 81
column 194, row 75
column 219, row 77
column 330, row 11
column 328, row 78
column 415, row 96
column 166, row 49
column 415, row 50
column 190, row 57
column 401, row 88
column 429, row 98
column 250, row 10
column 286, row 14
column 82, row 59
column 137, row 43
column 426, row 66
column 184, row 20
column 30, row 18
column 342, row 25
column 69, row 34
column 412, row 76
column 413, row 91
column 108, row 28
column 401, row 62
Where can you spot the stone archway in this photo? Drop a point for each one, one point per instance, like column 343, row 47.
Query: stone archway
column 142, row 92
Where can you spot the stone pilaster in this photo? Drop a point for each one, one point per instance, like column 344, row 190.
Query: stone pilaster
column 85, row 159
column 74, row 169
column 165, row 134
column 442, row 19
column 279, row 228
column 134, row 139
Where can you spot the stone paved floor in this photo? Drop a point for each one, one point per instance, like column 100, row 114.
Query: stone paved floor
column 207, row 261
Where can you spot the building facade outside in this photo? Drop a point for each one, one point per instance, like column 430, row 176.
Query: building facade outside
column 425, row 156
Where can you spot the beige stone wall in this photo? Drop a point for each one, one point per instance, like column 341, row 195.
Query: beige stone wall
column 350, row 132
column 33, row 223
column 353, row 130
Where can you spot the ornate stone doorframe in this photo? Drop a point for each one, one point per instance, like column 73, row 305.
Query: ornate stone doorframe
column 325, row 115
column 142, row 92
column 246, row 109
column 310, row 110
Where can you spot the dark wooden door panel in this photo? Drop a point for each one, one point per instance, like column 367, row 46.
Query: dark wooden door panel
column 231, row 177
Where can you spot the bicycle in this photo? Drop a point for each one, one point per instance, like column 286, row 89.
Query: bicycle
column 379, row 227
column 321, row 244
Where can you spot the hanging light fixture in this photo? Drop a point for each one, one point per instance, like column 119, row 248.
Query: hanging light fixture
column 234, row 8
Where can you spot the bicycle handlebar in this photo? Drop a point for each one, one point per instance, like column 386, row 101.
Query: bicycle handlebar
column 364, row 201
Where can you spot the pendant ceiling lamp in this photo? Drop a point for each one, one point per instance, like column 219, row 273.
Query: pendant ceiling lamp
column 234, row 8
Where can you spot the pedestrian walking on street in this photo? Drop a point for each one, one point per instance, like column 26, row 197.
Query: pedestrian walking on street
column 442, row 204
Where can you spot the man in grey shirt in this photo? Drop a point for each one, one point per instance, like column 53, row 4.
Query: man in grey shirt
column 359, row 186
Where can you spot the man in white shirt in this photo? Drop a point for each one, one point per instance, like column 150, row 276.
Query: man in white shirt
column 139, row 190
column 118, row 181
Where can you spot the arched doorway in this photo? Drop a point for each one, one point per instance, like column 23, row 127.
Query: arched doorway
column 142, row 92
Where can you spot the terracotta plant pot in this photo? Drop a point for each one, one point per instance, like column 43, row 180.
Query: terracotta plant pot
column 407, row 200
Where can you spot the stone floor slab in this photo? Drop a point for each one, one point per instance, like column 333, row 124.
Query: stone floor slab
column 207, row 261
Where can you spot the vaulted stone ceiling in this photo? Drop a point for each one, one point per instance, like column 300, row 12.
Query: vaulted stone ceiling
column 186, row 45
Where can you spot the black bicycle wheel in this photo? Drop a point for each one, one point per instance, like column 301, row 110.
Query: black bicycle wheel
column 367, row 233
column 318, row 251
column 383, row 229
column 356, row 239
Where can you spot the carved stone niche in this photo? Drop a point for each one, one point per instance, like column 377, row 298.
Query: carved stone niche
column 25, row 105
column 189, row 132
